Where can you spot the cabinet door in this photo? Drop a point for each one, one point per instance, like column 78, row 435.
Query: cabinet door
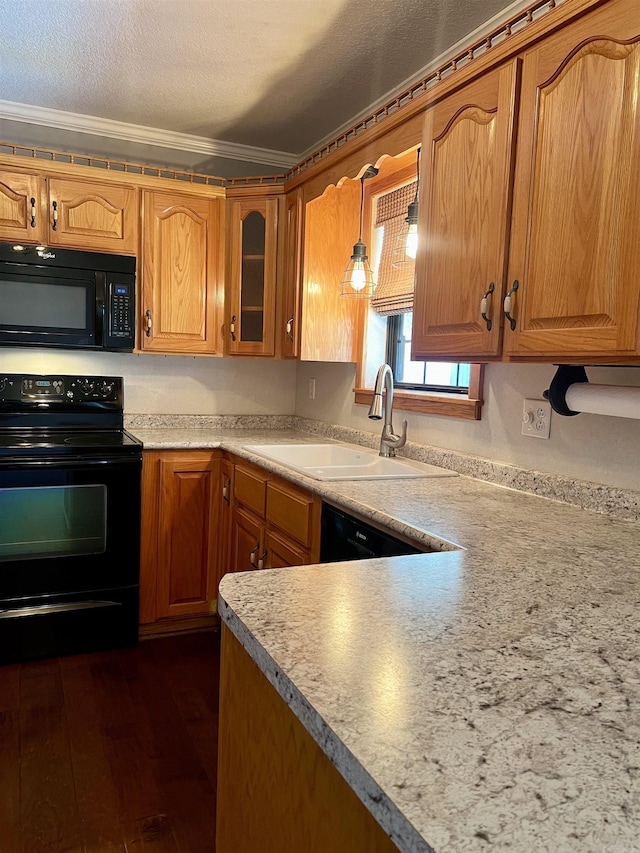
column 22, row 217
column 224, row 525
column 331, row 323
column 92, row 215
column 288, row 324
column 575, row 251
column 466, row 170
column 252, row 244
column 180, row 253
column 247, row 540
column 187, row 534
column 280, row 551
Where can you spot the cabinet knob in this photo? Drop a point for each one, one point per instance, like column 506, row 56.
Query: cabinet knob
column 54, row 224
column 147, row 323
column 252, row 556
column 289, row 328
column 33, row 212
column 484, row 305
column 508, row 305
column 232, row 327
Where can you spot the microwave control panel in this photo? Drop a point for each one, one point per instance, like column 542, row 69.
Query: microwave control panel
column 121, row 308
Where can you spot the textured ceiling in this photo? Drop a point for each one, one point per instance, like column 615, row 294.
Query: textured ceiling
column 277, row 74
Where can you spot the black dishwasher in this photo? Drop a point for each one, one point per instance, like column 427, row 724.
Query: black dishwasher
column 346, row 538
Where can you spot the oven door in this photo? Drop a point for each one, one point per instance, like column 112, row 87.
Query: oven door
column 69, row 556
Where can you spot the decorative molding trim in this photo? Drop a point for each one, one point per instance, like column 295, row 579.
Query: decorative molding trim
column 29, row 114
column 484, row 39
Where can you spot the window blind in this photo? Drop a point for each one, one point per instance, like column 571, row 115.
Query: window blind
column 394, row 291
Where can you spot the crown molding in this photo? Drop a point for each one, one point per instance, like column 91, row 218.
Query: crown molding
column 79, row 123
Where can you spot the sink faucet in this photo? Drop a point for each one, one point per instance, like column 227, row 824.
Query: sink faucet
column 389, row 441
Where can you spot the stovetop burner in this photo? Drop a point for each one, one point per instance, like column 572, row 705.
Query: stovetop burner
column 62, row 415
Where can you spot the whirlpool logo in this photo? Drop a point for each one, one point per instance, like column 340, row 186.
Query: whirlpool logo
column 46, row 255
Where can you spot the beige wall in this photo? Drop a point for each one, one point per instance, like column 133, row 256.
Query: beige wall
column 588, row 447
column 156, row 384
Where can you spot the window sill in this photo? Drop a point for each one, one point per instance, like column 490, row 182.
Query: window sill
column 446, row 405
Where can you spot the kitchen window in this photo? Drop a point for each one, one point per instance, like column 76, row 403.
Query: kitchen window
column 451, row 389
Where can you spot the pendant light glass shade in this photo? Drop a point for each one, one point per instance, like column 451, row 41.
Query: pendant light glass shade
column 405, row 250
column 357, row 280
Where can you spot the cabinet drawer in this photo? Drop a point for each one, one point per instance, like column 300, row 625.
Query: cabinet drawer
column 281, row 552
column 250, row 489
column 291, row 511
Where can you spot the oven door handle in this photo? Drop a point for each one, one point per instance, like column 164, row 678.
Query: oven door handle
column 14, row 463
column 44, row 609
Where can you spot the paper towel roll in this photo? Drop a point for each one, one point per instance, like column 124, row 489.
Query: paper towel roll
column 615, row 400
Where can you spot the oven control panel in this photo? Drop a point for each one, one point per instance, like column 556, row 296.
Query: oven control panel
column 30, row 388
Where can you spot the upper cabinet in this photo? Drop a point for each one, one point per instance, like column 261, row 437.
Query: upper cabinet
column 465, row 170
column 182, row 273
column 288, row 308
column 571, row 290
column 252, row 267
column 575, row 252
column 330, row 323
column 70, row 213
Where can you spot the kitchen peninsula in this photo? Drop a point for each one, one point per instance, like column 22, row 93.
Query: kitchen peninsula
column 483, row 697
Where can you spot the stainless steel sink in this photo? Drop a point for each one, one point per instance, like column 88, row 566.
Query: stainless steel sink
column 344, row 462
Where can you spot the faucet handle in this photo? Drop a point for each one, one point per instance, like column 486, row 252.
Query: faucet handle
column 402, row 437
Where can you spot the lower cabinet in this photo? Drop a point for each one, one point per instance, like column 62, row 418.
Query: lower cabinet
column 206, row 513
column 277, row 790
column 274, row 524
column 180, row 534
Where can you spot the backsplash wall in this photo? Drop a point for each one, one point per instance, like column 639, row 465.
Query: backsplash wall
column 175, row 385
column 587, row 447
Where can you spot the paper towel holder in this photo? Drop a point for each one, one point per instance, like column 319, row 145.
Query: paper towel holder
column 556, row 394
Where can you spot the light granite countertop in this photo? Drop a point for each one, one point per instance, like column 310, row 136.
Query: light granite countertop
column 482, row 698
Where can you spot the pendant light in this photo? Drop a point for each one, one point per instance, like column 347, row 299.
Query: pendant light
column 404, row 252
column 358, row 276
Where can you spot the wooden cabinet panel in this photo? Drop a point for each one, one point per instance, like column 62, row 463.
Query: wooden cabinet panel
column 22, row 211
column 187, row 533
column 246, row 540
column 181, row 265
column 331, row 323
column 575, row 250
column 252, row 269
column 93, row 215
column 290, row 510
column 292, row 796
column 250, row 489
column 466, row 170
column 288, row 322
column 179, row 534
column 280, row 551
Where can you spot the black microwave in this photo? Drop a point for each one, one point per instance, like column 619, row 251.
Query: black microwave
column 52, row 297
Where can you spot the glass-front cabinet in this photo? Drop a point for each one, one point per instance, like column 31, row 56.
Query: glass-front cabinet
column 252, row 260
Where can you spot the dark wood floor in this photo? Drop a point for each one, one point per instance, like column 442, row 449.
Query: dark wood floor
column 111, row 752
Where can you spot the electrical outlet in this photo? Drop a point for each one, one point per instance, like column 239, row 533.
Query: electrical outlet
column 536, row 418
column 312, row 389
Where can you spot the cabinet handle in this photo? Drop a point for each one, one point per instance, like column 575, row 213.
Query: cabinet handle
column 484, row 305
column 252, row 555
column 33, row 212
column 54, row 224
column 225, row 491
column 232, row 328
column 508, row 305
column 147, row 323
column 261, row 559
column 289, row 328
